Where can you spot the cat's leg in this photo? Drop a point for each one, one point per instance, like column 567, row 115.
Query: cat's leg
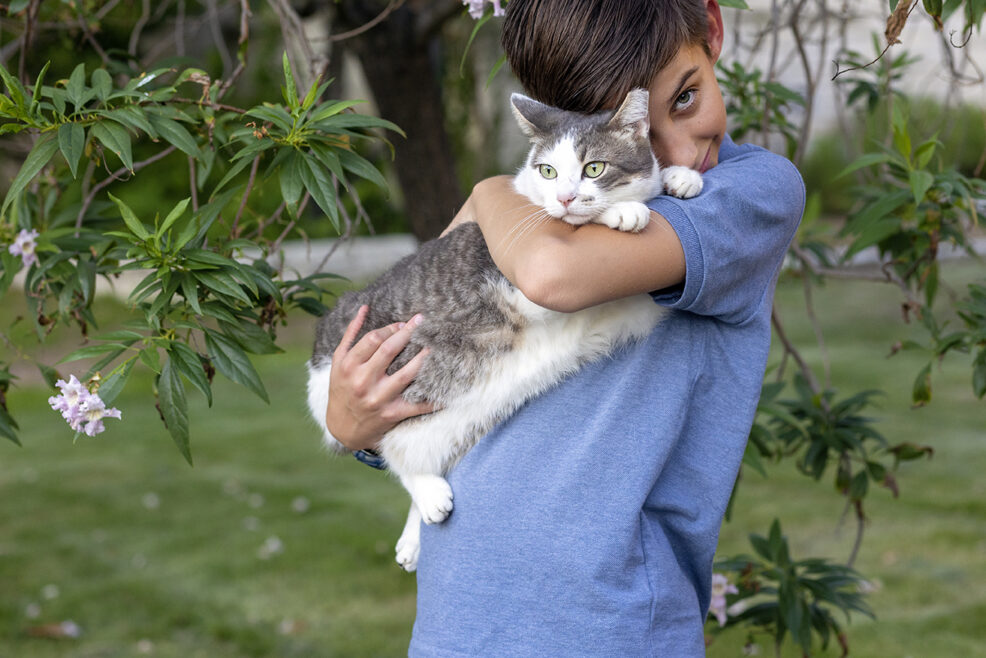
column 626, row 216
column 682, row 182
column 409, row 544
column 431, row 494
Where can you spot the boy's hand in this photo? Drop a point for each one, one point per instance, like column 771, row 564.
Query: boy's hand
column 364, row 401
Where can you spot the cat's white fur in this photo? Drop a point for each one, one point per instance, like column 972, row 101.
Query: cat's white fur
column 552, row 345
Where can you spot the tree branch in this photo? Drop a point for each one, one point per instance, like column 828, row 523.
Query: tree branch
column 370, row 24
column 101, row 185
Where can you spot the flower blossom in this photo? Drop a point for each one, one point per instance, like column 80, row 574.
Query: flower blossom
column 24, row 245
column 82, row 410
column 476, row 7
column 720, row 588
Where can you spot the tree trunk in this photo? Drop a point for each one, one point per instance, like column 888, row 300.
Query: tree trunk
column 396, row 57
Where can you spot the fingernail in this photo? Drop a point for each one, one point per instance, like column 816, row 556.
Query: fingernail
column 417, row 319
column 400, row 325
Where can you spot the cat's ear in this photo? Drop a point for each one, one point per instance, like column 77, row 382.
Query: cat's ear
column 632, row 113
column 529, row 114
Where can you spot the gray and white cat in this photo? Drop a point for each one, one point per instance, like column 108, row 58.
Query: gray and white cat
column 491, row 348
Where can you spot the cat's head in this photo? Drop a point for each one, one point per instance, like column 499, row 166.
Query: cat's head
column 581, row 164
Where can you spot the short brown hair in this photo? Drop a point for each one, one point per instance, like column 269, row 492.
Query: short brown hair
column 583, row 55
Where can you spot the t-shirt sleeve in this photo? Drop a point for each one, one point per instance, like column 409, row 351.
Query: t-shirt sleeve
column 734, row 234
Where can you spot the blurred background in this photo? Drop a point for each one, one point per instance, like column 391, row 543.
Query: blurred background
column 115, row 546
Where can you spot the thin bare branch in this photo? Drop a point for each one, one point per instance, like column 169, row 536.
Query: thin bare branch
column 235, row 229
column 114, row 176
column 145, row 15
column 370, row 24
column 215, row 29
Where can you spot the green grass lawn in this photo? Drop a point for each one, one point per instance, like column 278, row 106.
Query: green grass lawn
column 269, row 547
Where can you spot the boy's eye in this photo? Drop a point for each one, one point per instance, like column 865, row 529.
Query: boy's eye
column 685, row 100
column 594, row 169
column 548, row 171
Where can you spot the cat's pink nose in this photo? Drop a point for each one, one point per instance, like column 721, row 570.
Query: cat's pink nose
column 566, row 199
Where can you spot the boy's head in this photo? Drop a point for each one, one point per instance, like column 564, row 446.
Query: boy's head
column 585, row 55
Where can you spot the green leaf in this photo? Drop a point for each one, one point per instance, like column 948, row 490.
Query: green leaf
column 39, row 156
column 979, row 375
column 222, row 283
column 72, row 142
column 38, row 84
column 176, row 134
column 93, row 350
column 174, row 408
column 319, row 185
column 230, row 359
column 102, row 83
column 735, row 4
column 116, row 138
column 361, row 167
column 76, row 86
column 273, row 113
column 920, row 181
column 921, row 391
column 858, row 486
column 17, row 92
column 291, row 88
column 110, row 387
column 291, row 182
column 864, row 161
column 331, row 108
column 173, row 216
column 130, row 219
column 189, row 364
column 311, row 96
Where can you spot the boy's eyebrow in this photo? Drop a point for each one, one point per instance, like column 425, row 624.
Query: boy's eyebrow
column 681, row 84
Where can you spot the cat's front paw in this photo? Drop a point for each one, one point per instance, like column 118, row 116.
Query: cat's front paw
column 433, row 496
column 682, row 182
column 626, row 216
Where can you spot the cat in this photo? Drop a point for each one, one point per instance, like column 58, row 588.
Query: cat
column 491, row 348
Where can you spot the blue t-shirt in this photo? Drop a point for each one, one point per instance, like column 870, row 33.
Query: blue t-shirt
column 585, row 525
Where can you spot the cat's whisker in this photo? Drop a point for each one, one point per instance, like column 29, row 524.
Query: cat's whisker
column 533, row 222
column 522, row 226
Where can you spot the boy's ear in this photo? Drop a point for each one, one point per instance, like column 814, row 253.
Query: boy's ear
column 528, row 113
column 632, row 113
column 716, row 28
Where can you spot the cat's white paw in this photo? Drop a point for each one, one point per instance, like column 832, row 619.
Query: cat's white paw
column 629, row 216
column 408, row 549
column 433, row 496
column 682, row 182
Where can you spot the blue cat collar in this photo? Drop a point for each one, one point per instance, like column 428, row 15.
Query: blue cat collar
column 371, row 458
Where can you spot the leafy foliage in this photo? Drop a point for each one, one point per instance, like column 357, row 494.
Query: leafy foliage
column 203, row 305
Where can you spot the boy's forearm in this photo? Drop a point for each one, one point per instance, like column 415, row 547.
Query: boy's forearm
column 568, row 268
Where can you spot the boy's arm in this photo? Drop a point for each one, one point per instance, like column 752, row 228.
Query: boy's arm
column 568, row 268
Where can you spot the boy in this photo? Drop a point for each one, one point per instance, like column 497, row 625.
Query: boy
column 586, row 524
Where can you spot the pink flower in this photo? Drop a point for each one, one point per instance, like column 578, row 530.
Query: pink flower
column 24, row 245
column 476, row 8
column 720, row 588
column 84, row 411
column 93, row 411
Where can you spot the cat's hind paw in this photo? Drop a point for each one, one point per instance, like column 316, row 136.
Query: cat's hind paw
column 433, row 496
column 408, row 549
column 628, row 216
column 682, row 182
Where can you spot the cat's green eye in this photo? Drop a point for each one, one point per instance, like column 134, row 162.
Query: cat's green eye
column 594, row 169
column 548, row 171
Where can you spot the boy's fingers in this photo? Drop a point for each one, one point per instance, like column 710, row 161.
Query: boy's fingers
column 397, row 382
column 388, row 350
column 352, row 330
column 367, row 346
